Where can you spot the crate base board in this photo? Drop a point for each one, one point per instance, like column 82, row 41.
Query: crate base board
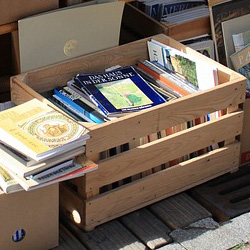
column 135, row 195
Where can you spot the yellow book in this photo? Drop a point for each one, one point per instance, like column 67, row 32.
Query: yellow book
column 40, row 132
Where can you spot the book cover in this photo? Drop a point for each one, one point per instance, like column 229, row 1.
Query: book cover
column 241, row 63
column 201, row 75
column 169, row 8
column 40, row 132
column 120, row 90
column 220, row 12
column 234, row 28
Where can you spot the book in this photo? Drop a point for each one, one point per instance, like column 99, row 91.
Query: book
column 233, row 30
column 68, row 33
column 78, row 102
column 201, row 75
column 241, row 63
column 20, row 167
column 82, row 164
column 167, row 79
column 203, row 44
column 167, row 93
column 120, row 91
column 221, row 11
column 7, row 183
column 40, row 132
column 240, row 40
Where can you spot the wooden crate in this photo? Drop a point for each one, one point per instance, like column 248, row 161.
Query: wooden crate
column 114, row 189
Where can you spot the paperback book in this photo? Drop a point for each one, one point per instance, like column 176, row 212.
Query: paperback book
column 201, row 75
column 40, row 132
column 80, row 167
column 119, row 92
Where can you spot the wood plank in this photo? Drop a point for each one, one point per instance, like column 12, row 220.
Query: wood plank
column 165, row 115
column 160, row 185
column 152, row 154
column 67, row 241
column 71, row 202
column 179, row 211
column 112, row 235
column 8, row 28
column 186, row 30
column 148, row 228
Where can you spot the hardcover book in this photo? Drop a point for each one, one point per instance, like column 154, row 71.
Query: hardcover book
column 119, row 91
column 67, row 33
column 221, row 11
column 40, row 132
column 234, row 29
column 241, row 63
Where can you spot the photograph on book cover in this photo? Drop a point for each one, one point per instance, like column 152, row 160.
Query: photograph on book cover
column 234, row 27
column 220, row 12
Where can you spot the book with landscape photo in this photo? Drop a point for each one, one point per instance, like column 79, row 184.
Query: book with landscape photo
column 197, row 73
column 40, row 132
column 119, row 92
column 241, row 63
column 221, row 11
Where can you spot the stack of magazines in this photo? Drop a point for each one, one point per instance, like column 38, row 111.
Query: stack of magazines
column 40, row 146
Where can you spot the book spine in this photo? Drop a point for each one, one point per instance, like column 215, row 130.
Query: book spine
column 158, row 74
column 77, row 104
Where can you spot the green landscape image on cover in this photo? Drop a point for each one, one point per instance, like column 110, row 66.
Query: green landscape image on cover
column 186, row 68
column 123, row 94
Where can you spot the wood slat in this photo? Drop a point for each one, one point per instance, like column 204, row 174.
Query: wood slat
column 185, row 30
column 148, row 228
column 179, row 211
column 8, row 28
column 71, row 201
column 152, row 154
column 166, row 115
column 160, row 185
column 112, row 235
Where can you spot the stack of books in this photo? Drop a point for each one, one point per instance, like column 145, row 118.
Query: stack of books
column 40, row 146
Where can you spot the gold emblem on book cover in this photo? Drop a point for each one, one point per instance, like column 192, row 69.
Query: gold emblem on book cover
column 71, row 47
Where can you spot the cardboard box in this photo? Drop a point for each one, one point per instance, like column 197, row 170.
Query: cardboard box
column 13, row 10
column 29, row 220
column 93, row 199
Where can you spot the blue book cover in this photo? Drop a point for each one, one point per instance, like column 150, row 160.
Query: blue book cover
column 76, row 102
column 119, row 91
column 167, row 8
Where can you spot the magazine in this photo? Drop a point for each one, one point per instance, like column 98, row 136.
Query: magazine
column 119, row 92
